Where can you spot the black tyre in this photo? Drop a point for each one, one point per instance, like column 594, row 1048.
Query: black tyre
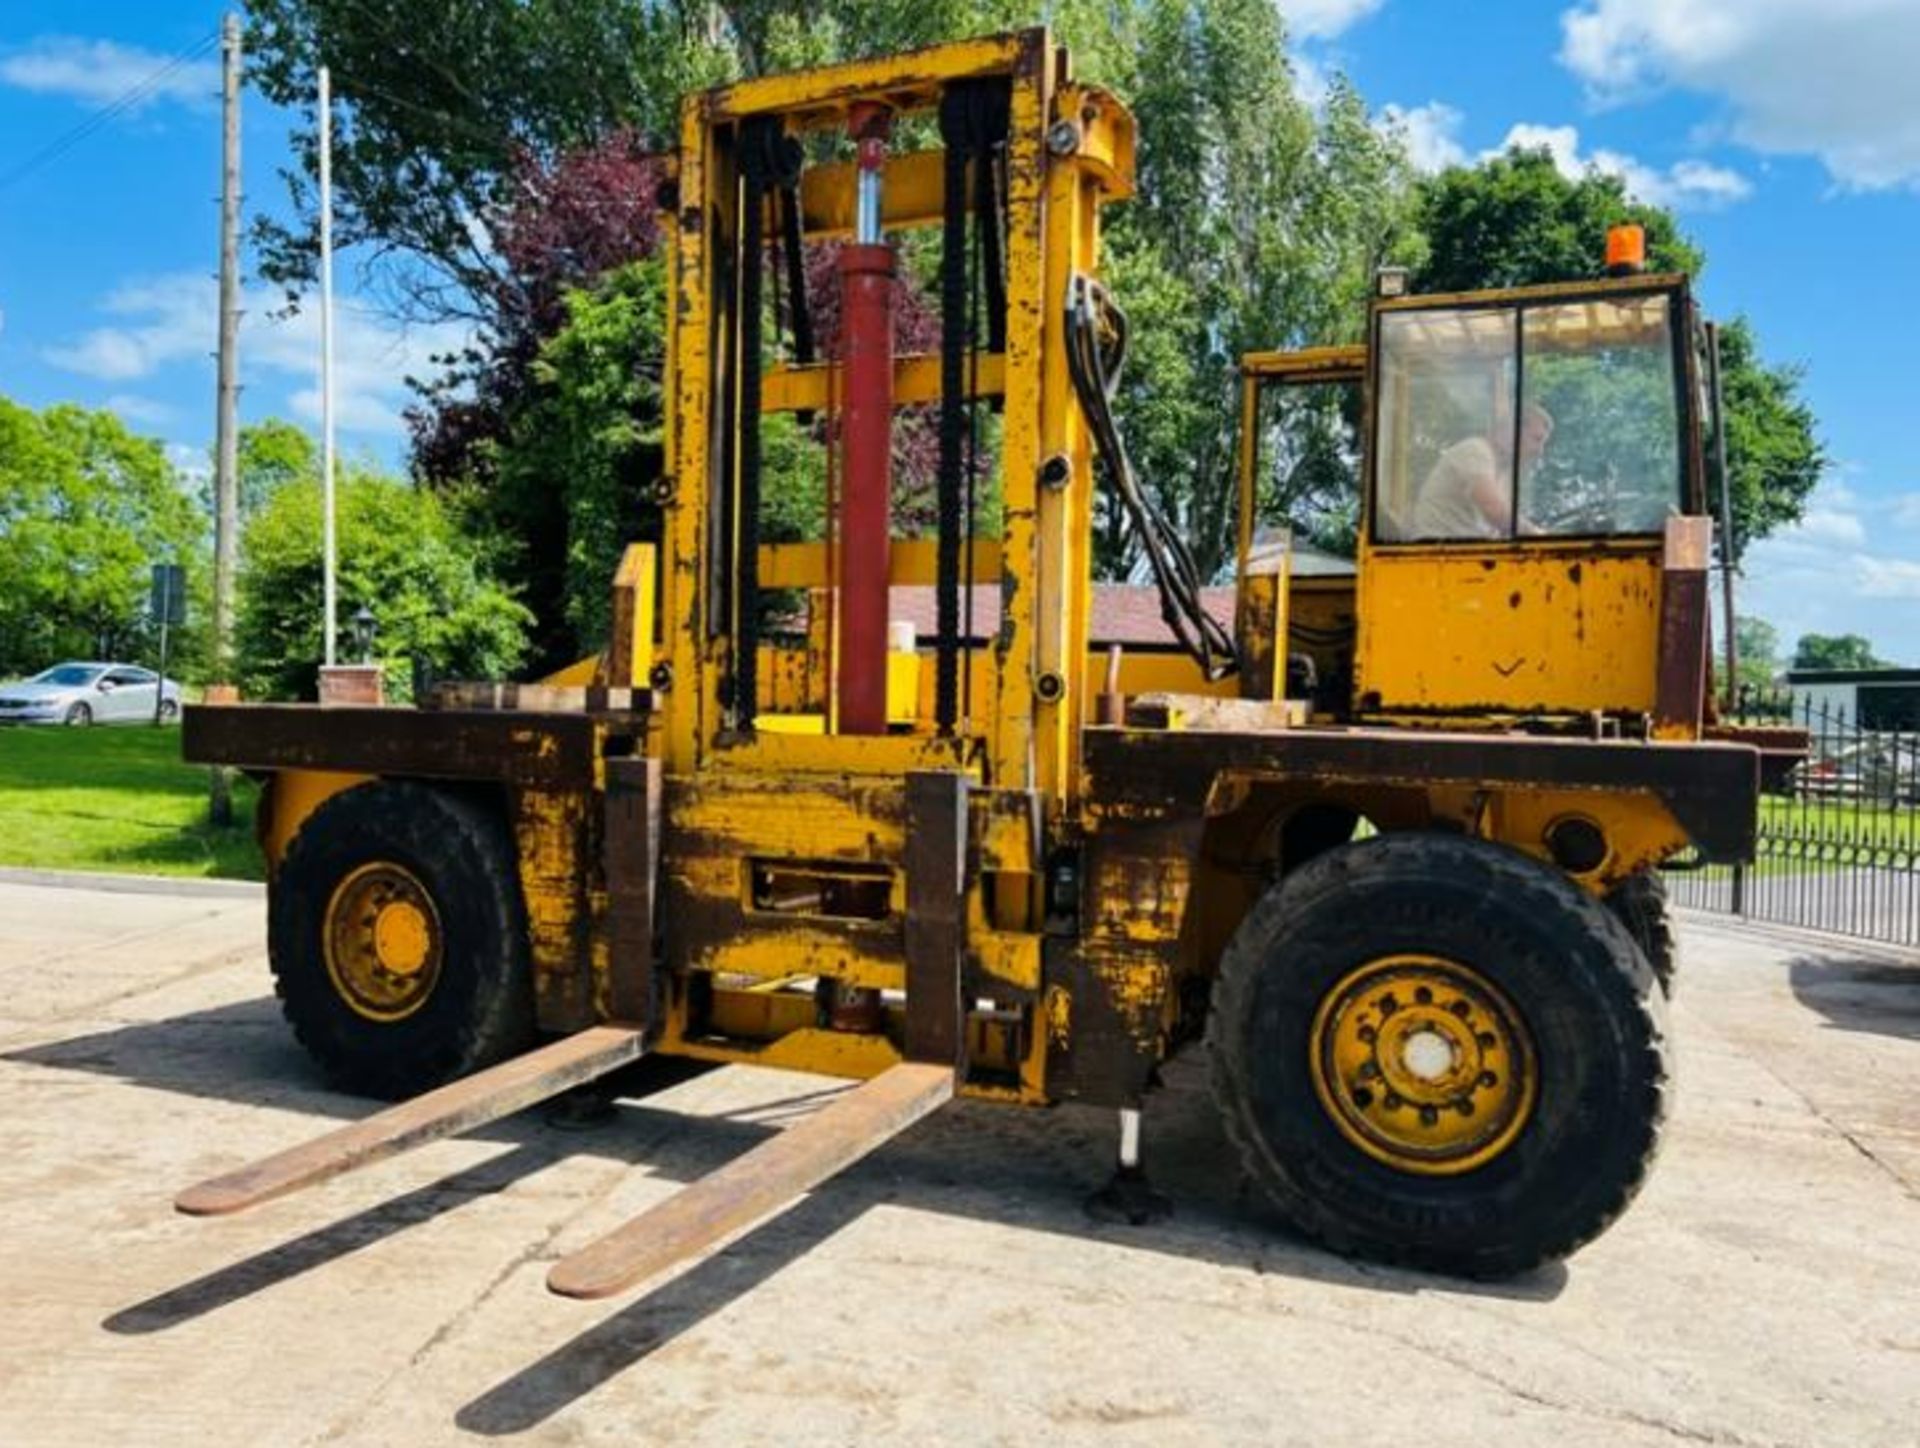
column 79, row 716
column 1436, row 1051
column 399, row 941
column 169, row 711
column 1640, row 902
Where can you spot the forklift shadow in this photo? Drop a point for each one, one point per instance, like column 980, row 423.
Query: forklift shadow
column 1028, row 1169
column 1872, row 993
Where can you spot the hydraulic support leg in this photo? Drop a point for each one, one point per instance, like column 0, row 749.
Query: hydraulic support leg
column 1127, row 1197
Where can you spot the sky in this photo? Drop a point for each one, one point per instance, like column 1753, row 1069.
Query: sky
column 1783, row 132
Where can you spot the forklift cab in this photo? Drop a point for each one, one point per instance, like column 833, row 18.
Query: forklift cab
column 1530, row 538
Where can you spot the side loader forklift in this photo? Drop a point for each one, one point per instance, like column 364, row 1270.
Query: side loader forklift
column 1385, row 840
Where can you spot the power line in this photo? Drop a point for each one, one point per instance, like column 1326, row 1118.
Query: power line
column 127, row 100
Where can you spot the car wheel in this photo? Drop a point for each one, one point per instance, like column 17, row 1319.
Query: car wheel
column 79, row 716
column 169, row 711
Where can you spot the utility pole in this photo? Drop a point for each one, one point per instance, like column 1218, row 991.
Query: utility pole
column 226, row 464
column 329, row 587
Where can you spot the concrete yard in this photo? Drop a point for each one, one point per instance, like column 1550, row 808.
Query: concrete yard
column 1765, row 1289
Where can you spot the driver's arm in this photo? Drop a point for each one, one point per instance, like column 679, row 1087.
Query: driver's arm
column 1490, row 492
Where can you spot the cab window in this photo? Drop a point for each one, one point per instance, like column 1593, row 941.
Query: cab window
column 1557, row 419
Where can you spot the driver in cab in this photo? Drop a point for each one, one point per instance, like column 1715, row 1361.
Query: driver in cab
column 1469, row 492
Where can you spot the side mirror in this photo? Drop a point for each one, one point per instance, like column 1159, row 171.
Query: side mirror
column 106, row 686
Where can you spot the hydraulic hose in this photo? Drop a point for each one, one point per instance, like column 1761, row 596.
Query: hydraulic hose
column 1091, row 315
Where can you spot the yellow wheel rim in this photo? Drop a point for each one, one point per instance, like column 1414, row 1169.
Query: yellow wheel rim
column 1423, row 1064
column 382, row 941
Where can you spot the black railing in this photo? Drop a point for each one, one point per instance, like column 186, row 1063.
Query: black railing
column 1839, row 830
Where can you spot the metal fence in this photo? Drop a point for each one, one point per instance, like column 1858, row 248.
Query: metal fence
column 1839, row 831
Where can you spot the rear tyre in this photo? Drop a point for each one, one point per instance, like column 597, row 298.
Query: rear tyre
column 1640, row 903
column 169, row 711
column 398, row 939
column 79, row 716
column 1436, row 1051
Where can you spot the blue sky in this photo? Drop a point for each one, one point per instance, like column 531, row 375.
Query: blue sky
column 1783, row 132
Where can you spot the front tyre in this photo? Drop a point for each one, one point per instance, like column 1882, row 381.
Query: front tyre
column 1436, row 1051
column 78, row 716
column 398, row 939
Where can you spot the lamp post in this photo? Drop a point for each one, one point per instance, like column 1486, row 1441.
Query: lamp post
column 363, row 623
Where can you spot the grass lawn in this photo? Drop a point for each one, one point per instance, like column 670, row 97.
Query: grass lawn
column 116, row 799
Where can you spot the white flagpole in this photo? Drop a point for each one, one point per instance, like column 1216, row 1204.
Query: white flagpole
column 329, row 582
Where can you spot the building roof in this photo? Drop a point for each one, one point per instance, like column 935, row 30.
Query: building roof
column 1853, row 676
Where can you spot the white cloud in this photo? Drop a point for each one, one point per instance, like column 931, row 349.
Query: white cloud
column 1686, row 184
column 144, row 411
column 1889, row 578
column 191, row 463
column 1431, row 134
column 1311, row 19
column 1906, row 510
column 1829, row 525
column 174, row 318
column 1833, row 79
column 1819, row 577
column 100, row 71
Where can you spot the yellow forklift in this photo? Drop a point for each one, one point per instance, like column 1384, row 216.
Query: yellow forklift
column 1385, row 841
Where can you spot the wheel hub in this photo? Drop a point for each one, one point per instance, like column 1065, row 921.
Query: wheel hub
column 382, row 941
column 1423, row 1064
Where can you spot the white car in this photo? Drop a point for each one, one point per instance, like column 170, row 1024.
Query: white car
column 77, row 693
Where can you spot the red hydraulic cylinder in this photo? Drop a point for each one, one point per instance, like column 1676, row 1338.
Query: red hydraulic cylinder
column 866, row 341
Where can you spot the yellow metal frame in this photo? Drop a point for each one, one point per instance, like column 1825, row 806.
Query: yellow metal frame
column 793, row 789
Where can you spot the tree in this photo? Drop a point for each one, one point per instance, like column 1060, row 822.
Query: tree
column 439, row 106
column 1515, row 220
column 272, row 453
column 86, row 510
column 1257, row 223
column 431, row 588
column 579, row 453
column 1835, row 651
column 1757, row 644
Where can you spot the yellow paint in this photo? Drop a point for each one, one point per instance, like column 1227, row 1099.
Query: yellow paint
column 633, row 585
column 294, row 795
column 1423, row 1064
column 402, row 937
column 909, row 561
column 380, row 938
column 1539, row 628
column 903, row 686
column 579, row 674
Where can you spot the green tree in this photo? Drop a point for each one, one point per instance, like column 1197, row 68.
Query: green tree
column 581, row 454
column 86, row 510
column 431, row 588
column 1757, row 644
column 1835, row 651
column 272, row 453
column 1515, row 220
column 436, row 104
column 1257, row 222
